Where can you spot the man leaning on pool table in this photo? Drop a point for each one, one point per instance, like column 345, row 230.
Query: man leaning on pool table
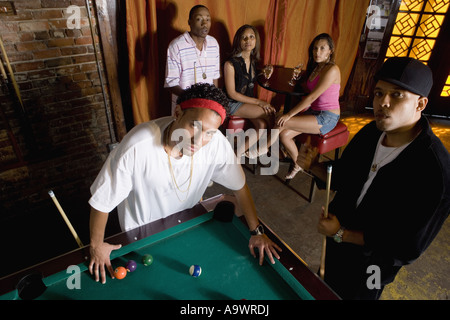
column 164, row 166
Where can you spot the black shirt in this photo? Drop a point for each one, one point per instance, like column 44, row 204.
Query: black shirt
column 400, row 215
column 243, row 80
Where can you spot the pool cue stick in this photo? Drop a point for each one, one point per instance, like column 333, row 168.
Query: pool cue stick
column 329, row 170
column 325, row 213
column 195, row 72
column 28, row 130
column 61, row 211
column 3, row 72
column 13, row 79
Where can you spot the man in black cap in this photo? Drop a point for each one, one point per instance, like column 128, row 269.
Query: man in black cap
column 393, row 187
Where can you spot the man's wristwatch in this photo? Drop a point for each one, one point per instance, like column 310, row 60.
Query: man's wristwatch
column 258, row 231
column 339, row 234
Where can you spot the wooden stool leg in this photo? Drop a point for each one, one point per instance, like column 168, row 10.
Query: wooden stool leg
column 312, row 191
column 337, row 151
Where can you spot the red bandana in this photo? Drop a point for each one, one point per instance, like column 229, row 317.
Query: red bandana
column 206, row 104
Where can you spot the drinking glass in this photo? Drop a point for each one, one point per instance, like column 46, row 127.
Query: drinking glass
column 296, row 73
column 267, row 72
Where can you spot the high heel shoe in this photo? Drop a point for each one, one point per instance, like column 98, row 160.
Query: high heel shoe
column 254, row 153
column 251, row 154
column 292, row 174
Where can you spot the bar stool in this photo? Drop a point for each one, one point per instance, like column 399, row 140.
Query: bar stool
column 235, row 125
column 333, row 140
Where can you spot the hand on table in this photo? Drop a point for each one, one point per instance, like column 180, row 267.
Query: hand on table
column 100, row 259
column 264, row 244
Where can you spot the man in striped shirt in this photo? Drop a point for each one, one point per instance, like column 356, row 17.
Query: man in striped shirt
column 194, row 56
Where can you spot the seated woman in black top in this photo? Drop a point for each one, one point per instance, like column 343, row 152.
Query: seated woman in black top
column 240, row 75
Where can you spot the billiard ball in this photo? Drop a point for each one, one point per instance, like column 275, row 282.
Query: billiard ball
column 131, row 266
column 147, row 259
column 120, row 273
column 195, row 271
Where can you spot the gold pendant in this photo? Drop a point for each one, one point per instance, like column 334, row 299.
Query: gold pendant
column 204, row 75
column 374, row 167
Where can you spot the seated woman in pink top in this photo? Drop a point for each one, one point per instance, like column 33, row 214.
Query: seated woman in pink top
column 318, row 112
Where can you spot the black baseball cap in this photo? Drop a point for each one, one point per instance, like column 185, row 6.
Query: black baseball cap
column 407, row 73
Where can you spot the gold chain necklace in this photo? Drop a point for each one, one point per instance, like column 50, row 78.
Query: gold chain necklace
column 204, row 76
column 375, row 165
column 173, row 175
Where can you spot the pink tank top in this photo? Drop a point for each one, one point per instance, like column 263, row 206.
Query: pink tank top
column 328, row 100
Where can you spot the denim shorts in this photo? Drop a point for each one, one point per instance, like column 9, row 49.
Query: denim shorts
column 234, row 106
column 326, row 119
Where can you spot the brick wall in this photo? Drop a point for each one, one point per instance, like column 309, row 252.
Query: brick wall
column 60, row 141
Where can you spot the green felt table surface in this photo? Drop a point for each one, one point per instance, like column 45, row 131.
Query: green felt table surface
column 220, row 248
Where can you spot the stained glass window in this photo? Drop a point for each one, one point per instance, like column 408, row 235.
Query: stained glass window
column 416, row 28
column 446, row 90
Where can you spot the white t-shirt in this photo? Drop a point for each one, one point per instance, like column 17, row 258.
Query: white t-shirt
column 383, row 156
column 136, row 176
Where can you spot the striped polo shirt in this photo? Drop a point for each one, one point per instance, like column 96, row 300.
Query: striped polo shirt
column 186, row 64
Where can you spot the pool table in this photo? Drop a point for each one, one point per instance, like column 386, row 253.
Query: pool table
column 217, row 243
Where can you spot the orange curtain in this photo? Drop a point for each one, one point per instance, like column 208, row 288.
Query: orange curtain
column 286, row 28
column 275, row 31
column 341, row 19
column 142, row 58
